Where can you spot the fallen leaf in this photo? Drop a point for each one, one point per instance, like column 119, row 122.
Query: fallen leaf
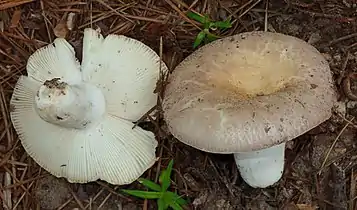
column 61, row 30
column 9, row 4
column 306, row 207
column 2, row 26
column 15, row 19
column 293, row 206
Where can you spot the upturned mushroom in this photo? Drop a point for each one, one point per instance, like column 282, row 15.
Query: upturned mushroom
column 249, row 94
column 76, row 120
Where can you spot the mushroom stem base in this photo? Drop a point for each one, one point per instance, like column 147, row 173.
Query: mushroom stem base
column 71, row 106
column 261, row 168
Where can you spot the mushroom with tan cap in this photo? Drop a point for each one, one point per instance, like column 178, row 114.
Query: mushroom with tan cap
column 76, row 120
column 249, row 94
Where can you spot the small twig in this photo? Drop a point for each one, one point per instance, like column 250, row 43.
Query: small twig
column 317, row 14
column 333, row 145
column 141, row 119
column 26, row 181
column 266, row 16
column 22, row 196
column 7, row 202
column 105, row 199
column 160, row 70
column 65, row 204
column 346, row 86
column 343, row 69
column 352, row 190
column 182, row 14
column 351, row 46
column 316, row 197
column 91, row 14
column 113, row 191
column 247, row 10
column 337, row 187
column 115, row 11
column 80, row 204
column 157, row 175
column 349, row 121
column 10, row 4
column 219, row 176
column 7, row 178
column 45, row 19
column 234, row 13
column 94, row 198
column 350, row 36
column 102, row 16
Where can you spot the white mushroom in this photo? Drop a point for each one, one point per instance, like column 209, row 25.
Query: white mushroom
column 76, row 121
column 248, row 94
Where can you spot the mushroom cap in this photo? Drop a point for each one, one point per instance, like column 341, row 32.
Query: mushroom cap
column 126, row 71
column 248, row 92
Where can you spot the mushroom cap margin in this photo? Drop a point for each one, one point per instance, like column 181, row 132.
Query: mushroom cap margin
column 111, row 150
column 201, row 114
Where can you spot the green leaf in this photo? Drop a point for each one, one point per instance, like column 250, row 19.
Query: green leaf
column 165, row 176
column 144, row 194
column 210, row 37
column 149, row 184
column 221, row 24
column 181, row 201
column 167, row 197
column 196, row 17
column 176, row 198
column 175, row 206
column 199, row 38
column 161, row 204
column 206, row 22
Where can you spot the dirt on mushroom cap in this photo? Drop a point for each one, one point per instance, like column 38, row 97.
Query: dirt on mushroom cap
column 248, row 92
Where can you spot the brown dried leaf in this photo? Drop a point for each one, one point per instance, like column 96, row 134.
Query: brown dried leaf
column 306, row 207
column 2, row 26
column 13, row 3
column 15, row 19
column 293, row 206
column 61, row 30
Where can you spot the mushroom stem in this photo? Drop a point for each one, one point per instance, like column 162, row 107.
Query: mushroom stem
column 70, row 105
column 261, row 168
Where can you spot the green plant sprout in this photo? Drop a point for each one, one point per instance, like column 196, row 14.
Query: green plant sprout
column 205, row 35
column 165, row 199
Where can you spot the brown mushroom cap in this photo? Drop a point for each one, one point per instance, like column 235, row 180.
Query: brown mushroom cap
column 248, row 92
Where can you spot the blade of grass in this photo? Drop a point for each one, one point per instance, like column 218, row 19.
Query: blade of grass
column 206, row 22
column 160, row 204
column 149, row 184
column 165, row 178
column 175, row 198
column 144, row 194
column 199, row 38
column 178, row 199
column 196, row 17
column 210, row 37
column 175, row 206
column 221, row 24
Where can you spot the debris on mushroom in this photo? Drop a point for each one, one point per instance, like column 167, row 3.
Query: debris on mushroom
column 76, row 120
column 248, row 94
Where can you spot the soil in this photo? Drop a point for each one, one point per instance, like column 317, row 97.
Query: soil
column 51, row 192
column 320, row 165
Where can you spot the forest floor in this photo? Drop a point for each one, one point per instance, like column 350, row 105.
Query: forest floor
column 320, row 170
